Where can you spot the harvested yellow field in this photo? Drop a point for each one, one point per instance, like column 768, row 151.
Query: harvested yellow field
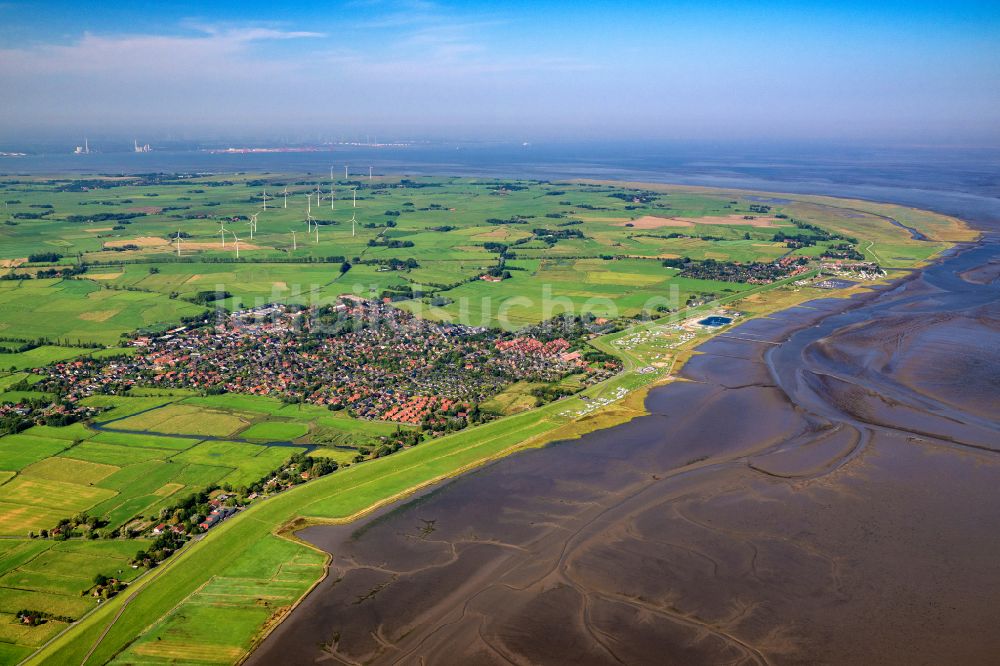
column 190, row 653
column 652, row 222
column 186, row 419
column 18, row 520
column 622, row 279
column 61, row 496
column 140, row 241
column 168, row 489
column 218, row 245
column 98, row 315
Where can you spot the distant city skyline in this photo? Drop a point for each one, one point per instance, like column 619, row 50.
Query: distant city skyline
column 913, row 72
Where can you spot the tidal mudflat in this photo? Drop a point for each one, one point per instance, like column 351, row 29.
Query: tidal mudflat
column 821, row 489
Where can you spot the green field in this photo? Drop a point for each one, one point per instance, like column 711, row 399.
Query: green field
column 145, row 286
column 275, row 430
column 208, row 604
column 47, row 474
column 79, row 311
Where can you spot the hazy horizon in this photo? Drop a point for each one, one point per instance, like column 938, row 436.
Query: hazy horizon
column 897, row 73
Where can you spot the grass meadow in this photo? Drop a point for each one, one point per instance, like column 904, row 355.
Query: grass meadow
column 48, row 473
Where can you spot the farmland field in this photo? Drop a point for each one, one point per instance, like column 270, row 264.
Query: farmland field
column 275, row 430
column 79, row 311
column 183, row 419
column 51, row 473
column 426, row 245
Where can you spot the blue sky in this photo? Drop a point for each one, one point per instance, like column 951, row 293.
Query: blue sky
column 892, row 71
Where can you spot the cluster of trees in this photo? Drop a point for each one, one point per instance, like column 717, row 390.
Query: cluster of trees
column 814, row 235
column 513, row 219
column 552, row 236
column 822, row 234
column 44, row 257
column 105, row 587
column 11, row 424
column 395, row 264
column 393, row 244
column 105, row 217
column 728, row 271
column 439, row 301
column 552, row 392
column 291, row 473
column 507, row 187
column 440, row 421
column 209, row 296
column 22, row 345
column 597, row 356
column 571, row 327
column 644, row 197
column 35, row 411
column 82, row 524
column 794, row 241
column 499, row 271
column 843, row 251
column 416, row 185
column 46, row 273
column 402, row 292
column 499, row 248
column 33, row 618
column 163, row 546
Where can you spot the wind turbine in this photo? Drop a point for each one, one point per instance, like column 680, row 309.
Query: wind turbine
column 309, row 217
column 222, row 232
column 265, row 197
column 286, row 197
column 237, row 244
column 345, row 172
column 253, row 224
column 316, row 227
column 178, row 241
column 294, row 246
column 354, row 213
column 331, row 195
column 369, row 173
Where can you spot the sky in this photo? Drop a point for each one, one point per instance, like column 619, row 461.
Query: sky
column 910, row 72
